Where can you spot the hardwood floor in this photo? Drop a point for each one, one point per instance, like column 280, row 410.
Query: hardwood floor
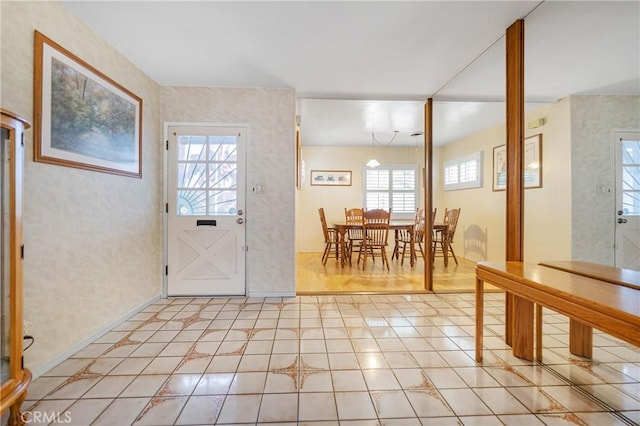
column 313, row 277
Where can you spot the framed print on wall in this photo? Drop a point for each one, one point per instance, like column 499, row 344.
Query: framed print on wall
column 83, row 119
column 331, row 177
column 532, row 164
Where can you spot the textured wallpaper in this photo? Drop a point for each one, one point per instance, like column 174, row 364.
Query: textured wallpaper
column 93, row 241
column 593, row 121
column 270, row 116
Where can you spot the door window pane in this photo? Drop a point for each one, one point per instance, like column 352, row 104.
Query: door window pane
column 222, row 202
column 208, row 163
column 192, row 203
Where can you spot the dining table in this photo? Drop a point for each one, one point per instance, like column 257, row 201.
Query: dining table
column 394, row 225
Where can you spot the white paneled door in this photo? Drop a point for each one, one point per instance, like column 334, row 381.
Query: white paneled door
column 627, row 247
column 206, row 211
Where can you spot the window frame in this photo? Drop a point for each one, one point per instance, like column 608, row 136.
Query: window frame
column 458, row 162
column 391, row 167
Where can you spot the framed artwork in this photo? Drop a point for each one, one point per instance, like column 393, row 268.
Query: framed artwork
column 83, row 118
column 532, row 164
column 331, row 177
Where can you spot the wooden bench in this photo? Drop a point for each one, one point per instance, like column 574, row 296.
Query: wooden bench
column 610, row 274
column 588, row 302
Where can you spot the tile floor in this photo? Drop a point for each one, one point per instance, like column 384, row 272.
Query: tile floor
column 329, row 360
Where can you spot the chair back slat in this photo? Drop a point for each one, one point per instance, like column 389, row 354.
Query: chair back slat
column 328, row 237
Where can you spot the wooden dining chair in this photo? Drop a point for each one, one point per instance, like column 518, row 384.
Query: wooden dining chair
column 375, row 232
column 403, row 240
column 353, row 217
column 444, row 238
column 330, row 238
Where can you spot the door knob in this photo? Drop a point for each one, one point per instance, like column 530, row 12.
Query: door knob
column 621, row 220
column 240, row 212
column 239, row 221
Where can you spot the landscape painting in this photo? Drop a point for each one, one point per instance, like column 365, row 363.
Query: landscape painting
column 83, row 118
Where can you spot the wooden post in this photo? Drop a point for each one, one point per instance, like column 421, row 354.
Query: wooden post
column 520, row 333
column 428, row 193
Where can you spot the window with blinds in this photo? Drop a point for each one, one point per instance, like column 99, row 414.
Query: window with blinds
column 463, row 172
column 392, row 187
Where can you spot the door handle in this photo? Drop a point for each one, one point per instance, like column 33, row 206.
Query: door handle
column 239, row 221
column 621, row 220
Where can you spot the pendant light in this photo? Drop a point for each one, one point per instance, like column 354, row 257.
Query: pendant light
column 373, row 162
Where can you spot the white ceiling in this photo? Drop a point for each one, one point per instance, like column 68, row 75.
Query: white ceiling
column 361, row 66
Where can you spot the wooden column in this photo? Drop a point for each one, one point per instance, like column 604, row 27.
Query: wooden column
column 428, row 193
column 518, row 333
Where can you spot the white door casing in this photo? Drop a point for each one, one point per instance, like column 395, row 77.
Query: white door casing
column 627, row 222
column 206, row 210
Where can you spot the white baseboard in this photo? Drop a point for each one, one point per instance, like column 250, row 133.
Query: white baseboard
column 39, row 371
column 272, row 294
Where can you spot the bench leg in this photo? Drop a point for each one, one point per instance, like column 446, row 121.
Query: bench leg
column 522, row 337
column 580, row 339
column 539, row 333
column 479, row 318
column 508, row 318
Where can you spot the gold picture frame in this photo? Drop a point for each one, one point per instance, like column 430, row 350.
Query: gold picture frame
column 82, row 118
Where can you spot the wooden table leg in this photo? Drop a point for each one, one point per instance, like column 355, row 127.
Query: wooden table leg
column 343, row 247
column 523, row 310
column 580, row 339
column 479, row 318
column 508, row 318
column 539, row 333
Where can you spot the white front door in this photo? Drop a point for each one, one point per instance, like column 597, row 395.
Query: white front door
column 627, row 246
column 206, row 211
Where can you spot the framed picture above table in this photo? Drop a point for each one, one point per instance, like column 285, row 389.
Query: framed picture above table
column 532, row 164
column 331, row 177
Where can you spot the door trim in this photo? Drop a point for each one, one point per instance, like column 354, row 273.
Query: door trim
column 165, row 191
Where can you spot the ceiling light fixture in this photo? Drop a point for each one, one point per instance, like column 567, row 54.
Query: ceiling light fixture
column 373, row 162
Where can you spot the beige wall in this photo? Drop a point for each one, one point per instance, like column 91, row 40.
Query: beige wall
column 481, row 229
column 93, row 241
column 270, row 117
column 335, row 199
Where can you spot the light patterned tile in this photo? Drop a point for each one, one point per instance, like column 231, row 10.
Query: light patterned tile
column 201, row 410
column 83, row 412
column 279, row 408
column 109, row 387
column 380, row 379
column 248, row 382
column 348, row 380
column 317, row 406
column 131, row 366
column 224, row 364
column 391, row 404
column 500, row 401
column 123, row 411
column 354, row 405
column 465, row 402
column 144, row 386
column 240, row 409
column 162, row 365
column 161, row 411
